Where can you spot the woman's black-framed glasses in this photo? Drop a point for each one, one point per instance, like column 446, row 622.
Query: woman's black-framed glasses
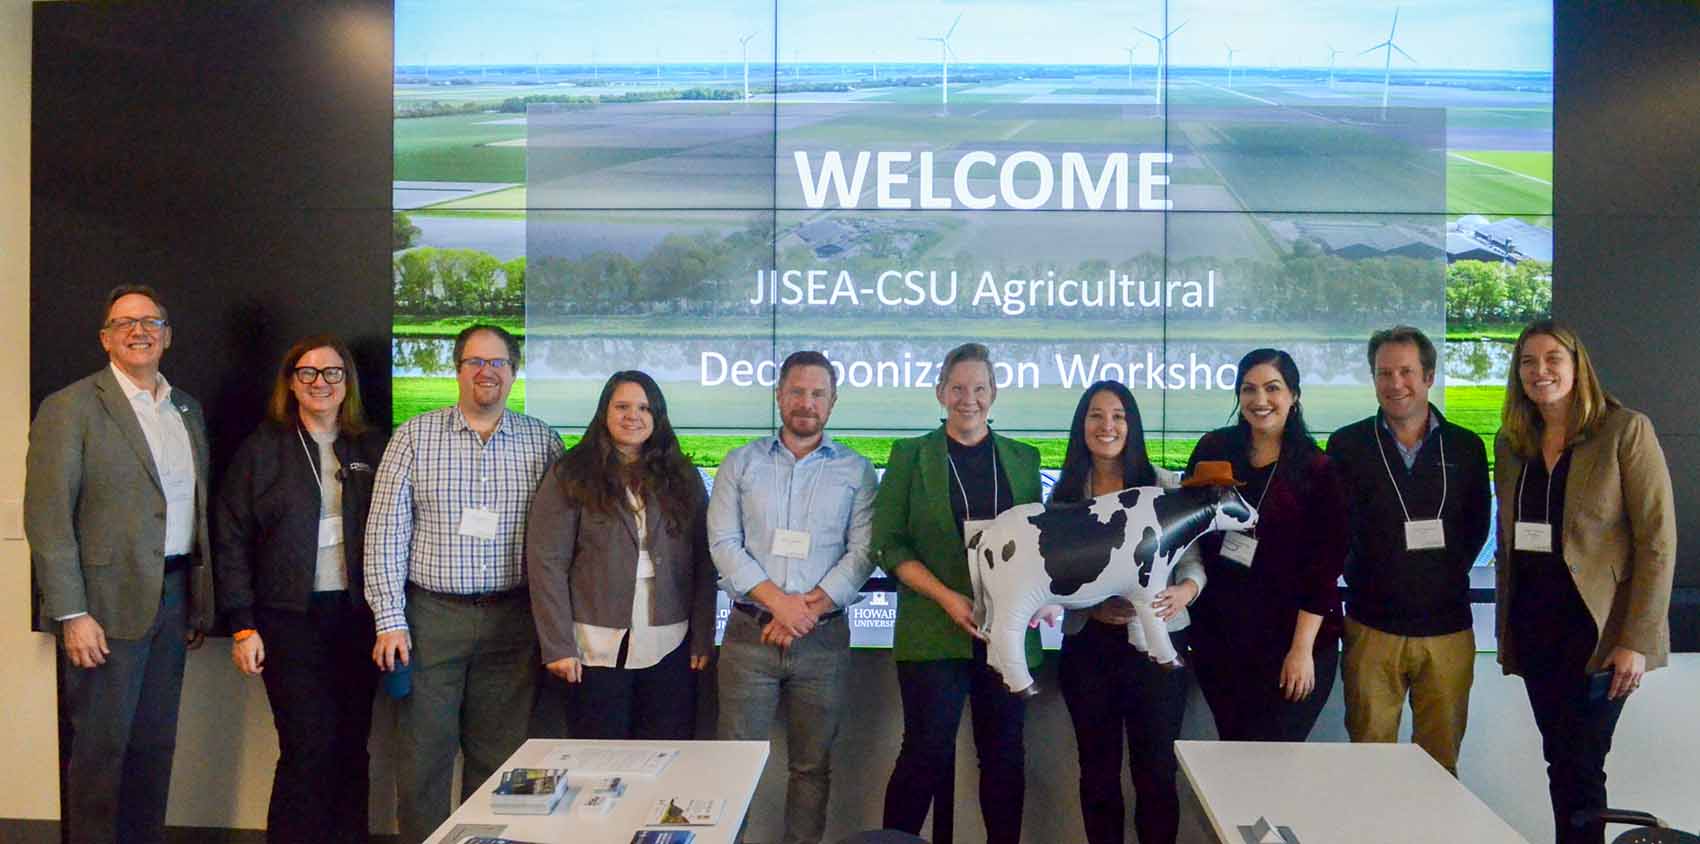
column 331, row 374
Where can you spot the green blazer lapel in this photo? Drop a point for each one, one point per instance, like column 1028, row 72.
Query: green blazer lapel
column 117, row 406
column 934, row 463
column 1021, row 469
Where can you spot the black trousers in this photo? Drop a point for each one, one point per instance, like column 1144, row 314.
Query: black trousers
column 1112, row 691
column 933, row 693
column 1575, row 738
column 1245, row 698
column 320, row 680
column 658, row 702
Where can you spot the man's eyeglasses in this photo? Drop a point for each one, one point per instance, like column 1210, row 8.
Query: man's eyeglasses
column 331, row 374
column 123, row 325
column 479, row 363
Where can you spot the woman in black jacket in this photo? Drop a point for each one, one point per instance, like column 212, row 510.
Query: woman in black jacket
column 290, row 532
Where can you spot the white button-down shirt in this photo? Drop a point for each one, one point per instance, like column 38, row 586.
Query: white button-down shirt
column 168, row 440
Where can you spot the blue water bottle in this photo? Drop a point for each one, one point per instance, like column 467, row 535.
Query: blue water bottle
column 398, row 682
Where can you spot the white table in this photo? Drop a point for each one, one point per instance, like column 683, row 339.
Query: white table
column 1321, row 793
column 723, row 770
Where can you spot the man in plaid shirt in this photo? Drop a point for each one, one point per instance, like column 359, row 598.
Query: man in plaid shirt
column 446, row 582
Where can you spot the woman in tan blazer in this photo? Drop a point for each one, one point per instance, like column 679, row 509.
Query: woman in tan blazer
column 1587, row 545
column 622, row 586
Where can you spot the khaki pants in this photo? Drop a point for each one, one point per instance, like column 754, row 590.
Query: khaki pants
column 1379, row 669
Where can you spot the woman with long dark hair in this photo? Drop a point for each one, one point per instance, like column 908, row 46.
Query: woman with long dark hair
column 1267, row 634
column 622, row 586
column 1114, row 691
column 1587, row 551
column 290, row 528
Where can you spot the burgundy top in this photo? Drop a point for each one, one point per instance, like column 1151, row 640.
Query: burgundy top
column 1249, row 614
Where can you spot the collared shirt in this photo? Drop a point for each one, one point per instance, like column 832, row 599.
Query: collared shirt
column 168, row 440
column 435, row 470
column 762, row 487
column 1409, row 455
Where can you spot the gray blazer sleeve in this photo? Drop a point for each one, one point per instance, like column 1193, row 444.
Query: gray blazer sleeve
column 52, row 487
column 551, row 540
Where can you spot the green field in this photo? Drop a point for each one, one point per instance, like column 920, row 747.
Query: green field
column 1481, row 188
column 1476, row 408
column 504, row 200
column 455, row 149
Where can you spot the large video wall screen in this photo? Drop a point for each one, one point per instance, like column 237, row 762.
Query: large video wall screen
column 1094, row 190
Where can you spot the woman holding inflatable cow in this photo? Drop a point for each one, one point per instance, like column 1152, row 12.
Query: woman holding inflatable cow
column 1111, row 688
column 960, row 474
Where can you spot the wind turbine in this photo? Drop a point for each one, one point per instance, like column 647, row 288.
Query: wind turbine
column 945, row 52
column 1231, row 52
column 1387, row 63
column 1331, row 54
column 744, row 44
column 1129, row 51
column 657, row 65
column 1162, row 56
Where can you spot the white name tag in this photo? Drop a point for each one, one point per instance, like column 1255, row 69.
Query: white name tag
column 1424, row 534
column 791, row 543
column 1533, row 536
column 330, row 531
column 1239, row 547
column 478, row 523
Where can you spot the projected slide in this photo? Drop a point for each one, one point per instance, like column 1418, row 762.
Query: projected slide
column 1092, row 190
column 1095, row 190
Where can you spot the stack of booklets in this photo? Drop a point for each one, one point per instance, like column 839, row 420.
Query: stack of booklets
column 529, row 791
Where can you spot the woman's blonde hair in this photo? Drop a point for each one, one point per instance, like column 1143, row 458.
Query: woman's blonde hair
column 1520, row 420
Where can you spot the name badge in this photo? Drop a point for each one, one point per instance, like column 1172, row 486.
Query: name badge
column 1423, row 534
column 478, row 523
column 791, row 543
column 1239, row 547
column 330, row 531
column 1532, row 536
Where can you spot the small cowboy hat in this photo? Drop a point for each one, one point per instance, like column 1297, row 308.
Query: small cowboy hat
column 1212, row 473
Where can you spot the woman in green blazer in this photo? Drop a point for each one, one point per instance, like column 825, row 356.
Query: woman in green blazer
column 1587, row 548
column 959, row 473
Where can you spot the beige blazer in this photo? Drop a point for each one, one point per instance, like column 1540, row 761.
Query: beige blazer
column 1619, row 537
column 94, row 510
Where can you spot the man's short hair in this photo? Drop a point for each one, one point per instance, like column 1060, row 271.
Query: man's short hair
column 809, row 358
column 123, row 290
column 508, row 339
column 1404, row 334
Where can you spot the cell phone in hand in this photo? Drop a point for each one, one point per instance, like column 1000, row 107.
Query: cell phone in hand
column 1599, row 685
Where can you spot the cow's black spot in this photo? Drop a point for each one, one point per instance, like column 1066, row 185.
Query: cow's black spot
column 1075, row 546
column 974, row 542
column 1145, row 553
column 1008, row 550
column 988, row 553
column 1184, row 515
column 1129, row 498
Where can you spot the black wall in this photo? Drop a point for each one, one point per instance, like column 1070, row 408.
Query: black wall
column 237, row 156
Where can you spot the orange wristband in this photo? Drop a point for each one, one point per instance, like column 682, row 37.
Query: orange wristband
column 243, row 634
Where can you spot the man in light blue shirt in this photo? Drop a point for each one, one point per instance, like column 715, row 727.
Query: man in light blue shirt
column 789, row 524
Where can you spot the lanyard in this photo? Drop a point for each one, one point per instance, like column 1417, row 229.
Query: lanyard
column 318, row 476
column 967, row 511
column 1389, row 467
column 1265, row 494
column 1546, row 515
column 808, row 503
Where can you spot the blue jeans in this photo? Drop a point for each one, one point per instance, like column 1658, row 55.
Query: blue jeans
column 808, row 680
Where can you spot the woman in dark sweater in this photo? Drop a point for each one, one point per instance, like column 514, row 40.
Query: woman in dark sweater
column 1266, row 635
column 290, row 530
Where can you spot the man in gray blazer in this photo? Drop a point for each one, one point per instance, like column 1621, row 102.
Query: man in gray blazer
column 115, row 510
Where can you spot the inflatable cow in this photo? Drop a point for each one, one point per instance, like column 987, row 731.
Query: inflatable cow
column 1076, row 555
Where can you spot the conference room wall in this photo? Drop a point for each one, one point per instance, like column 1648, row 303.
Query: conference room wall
column 227, row 743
